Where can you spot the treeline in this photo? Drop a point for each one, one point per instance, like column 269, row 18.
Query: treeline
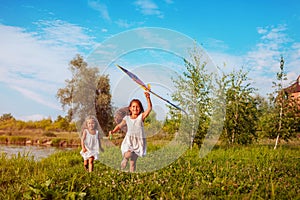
column 61, row 124
column 224, row 104
column 227, row 106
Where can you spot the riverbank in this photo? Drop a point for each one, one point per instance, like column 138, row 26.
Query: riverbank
column 39, row 137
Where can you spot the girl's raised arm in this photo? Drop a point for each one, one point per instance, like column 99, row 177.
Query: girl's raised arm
column 149, row 107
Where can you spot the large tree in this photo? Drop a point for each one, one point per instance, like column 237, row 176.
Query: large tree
column 86, row 93
column 103, row 103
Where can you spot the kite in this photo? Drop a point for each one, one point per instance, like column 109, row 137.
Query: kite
column 145, row 87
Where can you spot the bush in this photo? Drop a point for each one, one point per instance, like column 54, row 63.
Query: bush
column 3, row 140
column 17, row 140
column 49, row 134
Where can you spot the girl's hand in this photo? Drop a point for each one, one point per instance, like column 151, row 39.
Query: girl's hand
column 147, row 94
column 84, row 150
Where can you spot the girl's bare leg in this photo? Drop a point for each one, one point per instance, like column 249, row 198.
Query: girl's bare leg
column 86, row 165
column 133, row 162
column 124, row 162
column 91, row 164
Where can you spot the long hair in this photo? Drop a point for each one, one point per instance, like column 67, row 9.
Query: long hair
column 137, row 101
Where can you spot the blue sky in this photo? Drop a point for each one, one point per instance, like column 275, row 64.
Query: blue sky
column 39, row 38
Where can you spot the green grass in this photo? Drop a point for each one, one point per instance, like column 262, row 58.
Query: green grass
column 240, row 172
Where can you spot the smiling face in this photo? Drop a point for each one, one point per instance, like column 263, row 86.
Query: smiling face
column 135, row 107
column 91, row 124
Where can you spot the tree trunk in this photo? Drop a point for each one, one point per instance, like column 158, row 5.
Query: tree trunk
column 279, row 128
column 277, row 139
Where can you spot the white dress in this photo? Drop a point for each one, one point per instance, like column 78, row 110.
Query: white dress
column 135, row 139
column 92, row 145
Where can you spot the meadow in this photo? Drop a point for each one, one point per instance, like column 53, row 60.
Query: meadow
column 239, row 172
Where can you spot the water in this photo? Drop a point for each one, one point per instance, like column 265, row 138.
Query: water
column 38, row 152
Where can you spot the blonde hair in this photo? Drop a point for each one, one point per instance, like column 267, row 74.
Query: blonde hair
column 85, row 126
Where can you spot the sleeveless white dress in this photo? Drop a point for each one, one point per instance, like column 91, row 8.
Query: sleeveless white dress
column 135, row 138
column 92, row 145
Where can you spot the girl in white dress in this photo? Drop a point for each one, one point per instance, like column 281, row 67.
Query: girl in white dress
column 134, row 144
column 90, row 142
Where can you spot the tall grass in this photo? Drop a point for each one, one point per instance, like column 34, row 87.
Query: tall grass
column 252, row 172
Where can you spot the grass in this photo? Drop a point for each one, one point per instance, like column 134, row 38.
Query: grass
column 240, row 172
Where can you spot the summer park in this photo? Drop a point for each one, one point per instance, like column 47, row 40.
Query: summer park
column 220, row 140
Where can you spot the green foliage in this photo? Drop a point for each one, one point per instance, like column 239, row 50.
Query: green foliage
column 103, row 104
column 7, row 124
column 17, row 140
column 241, row 111
column 152, row 125
column 43, row 124
column 3, row 139
column 239, row 172
column 86, row 93
column 193, row 89
column 6, row 117
column 78, row 96
column 60, row 124
column 49, row 134
column 283, row 113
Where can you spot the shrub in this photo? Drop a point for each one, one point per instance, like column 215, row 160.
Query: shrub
column 49, row 134
column 17, row 140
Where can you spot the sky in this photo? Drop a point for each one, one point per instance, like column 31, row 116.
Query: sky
column 39, row 38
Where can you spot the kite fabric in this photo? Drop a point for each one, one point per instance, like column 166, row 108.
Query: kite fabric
column 145, row 87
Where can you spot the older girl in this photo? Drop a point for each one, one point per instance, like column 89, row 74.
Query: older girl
column 134, row 144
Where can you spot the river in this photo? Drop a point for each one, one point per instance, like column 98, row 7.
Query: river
column 38, row 152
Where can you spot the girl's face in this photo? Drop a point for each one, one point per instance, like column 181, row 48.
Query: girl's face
column 135, row 108
column 91, row 124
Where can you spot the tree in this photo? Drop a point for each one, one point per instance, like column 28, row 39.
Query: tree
column 241, row 110
column 103, row 104
column 193, row 92
column 263, row 109
column 283, row 116
column 86, row 93
column 6, row 116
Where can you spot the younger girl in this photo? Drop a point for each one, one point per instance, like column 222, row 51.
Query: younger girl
column 90, row 142
column 134, row 144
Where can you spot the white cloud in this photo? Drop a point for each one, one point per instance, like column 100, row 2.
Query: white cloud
column 274, row 43
column 101, row 8
column 63, row 34
column 36, row 97
column 36, row 65
column 148, row 7
column 263, row 60
column 261, row 30
column 213, row 43
column 125, row 24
